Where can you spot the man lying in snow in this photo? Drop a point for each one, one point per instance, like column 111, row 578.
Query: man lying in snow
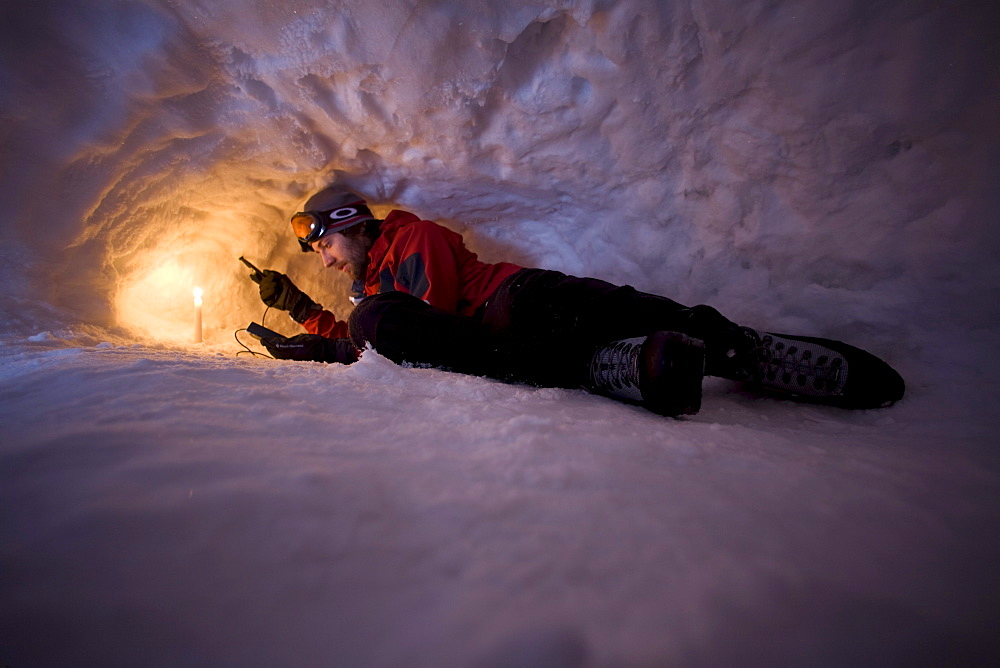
column 426, row 299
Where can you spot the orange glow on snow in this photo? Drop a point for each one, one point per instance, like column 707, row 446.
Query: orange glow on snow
column 157, row 300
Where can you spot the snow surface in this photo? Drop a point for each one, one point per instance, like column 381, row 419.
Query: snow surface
column 827, row 168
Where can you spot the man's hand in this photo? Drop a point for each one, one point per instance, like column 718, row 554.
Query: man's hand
column 277, row 290
column 312, row 348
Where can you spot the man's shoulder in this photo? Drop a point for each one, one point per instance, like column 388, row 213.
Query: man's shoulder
column 407, row 224
column 399, row 217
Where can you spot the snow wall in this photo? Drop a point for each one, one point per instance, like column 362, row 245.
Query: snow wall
column 826, row 167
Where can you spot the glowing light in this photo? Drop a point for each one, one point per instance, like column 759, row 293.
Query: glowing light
column 197, row 314
column 158, row 289
column 155, row 299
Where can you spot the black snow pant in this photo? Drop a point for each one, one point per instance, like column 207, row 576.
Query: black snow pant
column 540, row 327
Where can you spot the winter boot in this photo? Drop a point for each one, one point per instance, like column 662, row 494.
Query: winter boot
column 821, row 371
column 662, row 372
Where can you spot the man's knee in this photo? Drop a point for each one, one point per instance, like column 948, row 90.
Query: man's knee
column 363, row 323
column 404, row 328
column 706, row 321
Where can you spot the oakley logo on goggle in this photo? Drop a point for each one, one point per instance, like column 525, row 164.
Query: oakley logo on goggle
column 343, row 213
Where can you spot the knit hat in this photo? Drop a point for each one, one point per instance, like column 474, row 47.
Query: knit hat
column 332, row 209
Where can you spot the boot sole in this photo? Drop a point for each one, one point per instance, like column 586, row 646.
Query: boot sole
column 673, row 365
column 870, row 382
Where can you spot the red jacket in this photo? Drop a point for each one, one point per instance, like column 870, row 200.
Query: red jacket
column 426, row 260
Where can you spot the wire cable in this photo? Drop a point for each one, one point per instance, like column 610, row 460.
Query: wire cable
column 246, row 349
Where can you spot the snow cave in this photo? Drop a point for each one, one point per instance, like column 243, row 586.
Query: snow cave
column 823, row 167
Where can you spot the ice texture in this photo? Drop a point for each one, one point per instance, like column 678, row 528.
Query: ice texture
column 822, row 168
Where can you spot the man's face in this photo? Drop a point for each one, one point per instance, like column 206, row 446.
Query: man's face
column 348, row 254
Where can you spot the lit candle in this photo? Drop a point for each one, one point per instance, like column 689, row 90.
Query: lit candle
column 197, row 315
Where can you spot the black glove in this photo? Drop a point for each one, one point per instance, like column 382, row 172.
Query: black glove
column 312, row 348
column 277, row 290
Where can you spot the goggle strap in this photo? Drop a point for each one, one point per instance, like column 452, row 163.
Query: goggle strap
column 333, row 220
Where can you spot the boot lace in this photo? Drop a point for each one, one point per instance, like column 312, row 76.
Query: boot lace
column 615, row 368
column 798, row 367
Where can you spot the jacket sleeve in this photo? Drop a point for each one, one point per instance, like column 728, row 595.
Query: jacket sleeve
column 326, row 324
column 424, row 262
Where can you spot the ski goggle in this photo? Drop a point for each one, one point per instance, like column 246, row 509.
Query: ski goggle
column 308, row 226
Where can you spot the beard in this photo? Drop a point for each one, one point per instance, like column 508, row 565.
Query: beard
column 357, row 256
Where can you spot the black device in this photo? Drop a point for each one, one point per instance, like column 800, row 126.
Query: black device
column 256, row 271
column 260, row 332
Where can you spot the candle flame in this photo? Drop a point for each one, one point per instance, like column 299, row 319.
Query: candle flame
column 197, row 296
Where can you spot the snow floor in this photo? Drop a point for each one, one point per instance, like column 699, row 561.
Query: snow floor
column 184, row 506
column 816, row 167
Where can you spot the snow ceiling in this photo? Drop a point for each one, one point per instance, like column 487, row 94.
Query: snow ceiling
column 823, row 167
